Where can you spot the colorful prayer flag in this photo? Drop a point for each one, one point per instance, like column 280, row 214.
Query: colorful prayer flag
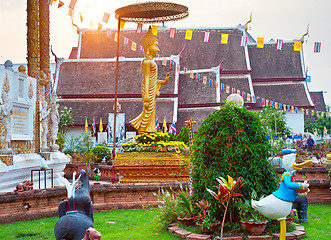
column 271, row 104
column 307, row 112
column 178, row 68
column 210, row 82
column 233, row 90
column 227, row 89
column 249, row 97
column 280, row 106
column 198, row 77
column 267, row 102
column 108, row 32
column 224, row 38
column 154, row 30
column 122, row 24
column 262, row 100
column 253, row 98
column 164, row 62
column 222, row 87
column 243, row 95
column 173, row 128
column 134, row 46
column 216, row 84
column 141, row 50
column 99, row 26
column 279, row 44
column 238, row 92
column 292, row 109
column 296, row 110
column 172, row 32
column 317, row 47
column 105, row 17
column 71, row 12
column 139, row 28
column 72, row 4
column 81, row 16
column 297, row 46
column 243, row 41
column 206, row 37
column 86, row 125
column 100, row 126
column 204, row 80
column 60, row 4
column 188, row 34
column 165, row 129
column 260, row 42
column 157, row 123
column 308, row 79
column 93, row 126
column 172, row 65
column 276, row 104
column 191, row 74
column 126, row 41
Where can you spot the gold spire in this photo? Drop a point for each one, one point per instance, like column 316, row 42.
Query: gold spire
column 6, row 85
column 250, row 20
column 303, row 36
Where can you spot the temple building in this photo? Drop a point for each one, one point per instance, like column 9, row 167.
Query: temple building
column 86, row 79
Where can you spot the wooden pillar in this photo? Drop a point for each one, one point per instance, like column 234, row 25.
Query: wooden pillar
column 44, row 81
column 33, row 57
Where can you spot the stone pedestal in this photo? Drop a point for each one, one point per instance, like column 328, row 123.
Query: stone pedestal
column 7, row 159
column 149, row 167
column 45, row 155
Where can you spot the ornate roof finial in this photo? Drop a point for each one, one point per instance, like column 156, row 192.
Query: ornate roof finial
column 6, row 85
column 250, row 20
column 303, row 36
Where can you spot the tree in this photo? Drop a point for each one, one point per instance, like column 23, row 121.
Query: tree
column 231, row 141
column 65, row 120
column 183, row 136
column 319, row 124
column 274, row 122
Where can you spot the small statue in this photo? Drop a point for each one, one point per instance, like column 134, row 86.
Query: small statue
column 55, row 120
column 27, row 185
column 150, row 86
column 44, row 112
column 7, row 110
column 278, row 205
column 97, row 175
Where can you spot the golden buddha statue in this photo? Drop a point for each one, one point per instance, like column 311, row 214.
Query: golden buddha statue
column 150, row 86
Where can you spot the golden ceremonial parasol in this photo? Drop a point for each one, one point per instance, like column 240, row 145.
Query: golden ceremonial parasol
column 149, row 12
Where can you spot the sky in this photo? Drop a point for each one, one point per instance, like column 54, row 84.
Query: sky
column 281, row 19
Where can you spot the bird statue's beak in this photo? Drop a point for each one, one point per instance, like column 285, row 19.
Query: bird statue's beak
column 301, row 165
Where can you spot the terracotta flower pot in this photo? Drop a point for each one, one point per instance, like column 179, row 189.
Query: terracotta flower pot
column 212, row 229
column 255, row 228
column 187, row 221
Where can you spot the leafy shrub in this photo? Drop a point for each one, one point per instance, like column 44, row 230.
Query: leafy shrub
column 231, row 141
column 101, row 152
column 183, row 135
column 60, row 140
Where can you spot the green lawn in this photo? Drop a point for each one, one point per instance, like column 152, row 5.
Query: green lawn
column 140, row 225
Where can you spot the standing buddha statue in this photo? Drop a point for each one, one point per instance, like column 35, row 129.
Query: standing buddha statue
column 150, row 86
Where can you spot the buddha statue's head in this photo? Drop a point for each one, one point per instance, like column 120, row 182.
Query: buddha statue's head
column 148, row 41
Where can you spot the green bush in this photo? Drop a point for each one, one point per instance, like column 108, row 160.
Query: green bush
column 183, row 136
column 60, row 140
column 231, row 141
column 101, row 152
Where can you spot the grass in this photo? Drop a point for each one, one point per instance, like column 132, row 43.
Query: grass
column 140, row 225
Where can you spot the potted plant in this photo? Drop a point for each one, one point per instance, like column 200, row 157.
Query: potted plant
column 250, row 219
column 206, row 223
column 185, row 209
column 226, row 190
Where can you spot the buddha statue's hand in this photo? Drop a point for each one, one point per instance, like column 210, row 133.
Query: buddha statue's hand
column 167, row 76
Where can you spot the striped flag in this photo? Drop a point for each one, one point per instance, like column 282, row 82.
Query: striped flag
column 173, row 128
column 172, row 65
column 279, row 45
column 262, row 100
column 206, row 37
column 280, row 106
column 185, row 71
column 71, row 12
column 108, row 32
column 296, row 110
column 198, row 77
column 108, row 127
column 271, row 104
column 126, row 41
column 157, row 123
column 141, row 50
column 139, row 28
column 172, row 32
column 72, row 4
column 317, row 47
column 105, row 17
column 243, row 95
column 93, row 126
column 253, row 98
column 210, row 82
column 243, row 41
column 222, row 87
